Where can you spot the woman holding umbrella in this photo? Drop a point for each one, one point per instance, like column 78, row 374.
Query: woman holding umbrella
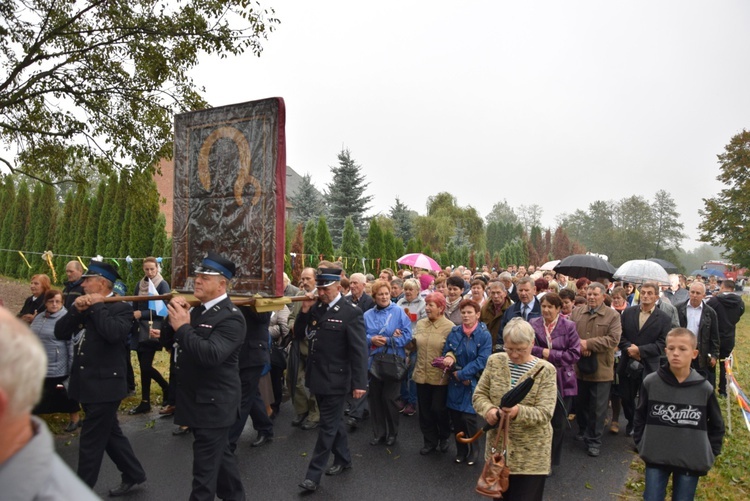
column 557, row 341
column 530, row 431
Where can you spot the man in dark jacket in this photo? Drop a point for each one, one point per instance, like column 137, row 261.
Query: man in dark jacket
column 729, row 308
column 527, row 307
column 97, row 376
column 254, row 356
column 644, row 332
column 208, row 341
column 337, row 366
column 493, row 311
column 701, row 320
column 74, row 286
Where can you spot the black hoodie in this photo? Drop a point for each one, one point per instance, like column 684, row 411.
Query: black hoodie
column 678, row 425
column 729, row 308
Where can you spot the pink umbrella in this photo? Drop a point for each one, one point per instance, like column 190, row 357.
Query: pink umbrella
column 419, row 260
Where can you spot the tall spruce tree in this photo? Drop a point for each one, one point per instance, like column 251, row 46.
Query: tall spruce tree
column 6, row 216
column 402, row 220
column 323, row 238
column 102, row 234
column 19, row 227
column 115, row 226
column 375, row 246
column 346, row 196
column 43, row 225
column 307, row 201
column 81, row 206
column 144, row 213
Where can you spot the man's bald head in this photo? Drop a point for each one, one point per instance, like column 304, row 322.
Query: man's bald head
column 73, row 270
column 23, row 366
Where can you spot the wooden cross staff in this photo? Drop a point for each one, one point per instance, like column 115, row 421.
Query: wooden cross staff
column 258, row 303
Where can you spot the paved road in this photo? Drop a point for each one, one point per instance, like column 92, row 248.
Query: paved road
column 272, row 472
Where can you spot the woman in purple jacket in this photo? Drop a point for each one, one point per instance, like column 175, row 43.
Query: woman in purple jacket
column 557, row 341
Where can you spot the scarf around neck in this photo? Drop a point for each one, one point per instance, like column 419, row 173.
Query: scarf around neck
column 143, row 284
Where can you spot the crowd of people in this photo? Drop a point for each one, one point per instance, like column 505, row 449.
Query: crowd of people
column 460, row 339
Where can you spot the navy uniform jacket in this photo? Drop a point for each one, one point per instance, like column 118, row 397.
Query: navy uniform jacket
column 255, row 351
column 650, row 339
column 99, row 355
column 337, row 360
column 206, row 361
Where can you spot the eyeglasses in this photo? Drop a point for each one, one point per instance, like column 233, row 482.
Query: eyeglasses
column 516, row 351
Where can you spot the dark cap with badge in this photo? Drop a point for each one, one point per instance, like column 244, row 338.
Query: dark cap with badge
column 214, row 264
column 100, row 269
column 327, row 276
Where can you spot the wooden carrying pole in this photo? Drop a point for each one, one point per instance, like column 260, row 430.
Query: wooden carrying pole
column 258, row 303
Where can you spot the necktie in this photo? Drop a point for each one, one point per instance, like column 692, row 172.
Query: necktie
column 196, row 312
column 592, row 311
column 526, row 312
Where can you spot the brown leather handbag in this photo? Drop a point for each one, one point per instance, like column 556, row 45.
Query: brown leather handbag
column 495, row 476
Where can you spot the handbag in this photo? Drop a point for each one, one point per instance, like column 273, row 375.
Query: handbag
column 144, row 331
column 388, row 367
column 495, row 476
column 588, row 365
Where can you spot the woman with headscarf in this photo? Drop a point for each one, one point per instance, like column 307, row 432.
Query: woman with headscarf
column 530, row 431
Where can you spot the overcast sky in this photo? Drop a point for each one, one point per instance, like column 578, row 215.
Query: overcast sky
column 547, row 102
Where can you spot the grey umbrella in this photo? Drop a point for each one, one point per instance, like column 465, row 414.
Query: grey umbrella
column 585, row 265
column 668, row 267
column 639, row 271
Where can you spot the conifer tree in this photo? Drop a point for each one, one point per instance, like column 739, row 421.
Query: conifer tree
column 6, row 217
column 307, row 201
column 346, row 196
column 63, row 234
column 351, row 247
column 375, row 246
column 143, row 204
column 311, row 242
column 19, row 225
column 160, row 236
column 105, row 218
column 44, row 218
column 116, row 228
column 298, row 248
column 81, row 206
column 389, row 246
column 323, row 238
column 95, row 213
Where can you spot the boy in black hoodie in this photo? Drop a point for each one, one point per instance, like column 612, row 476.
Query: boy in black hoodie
column 678, row 427
column 729, row 308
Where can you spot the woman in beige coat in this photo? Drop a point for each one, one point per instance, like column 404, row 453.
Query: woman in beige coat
column 530, row 431
column 432, row 389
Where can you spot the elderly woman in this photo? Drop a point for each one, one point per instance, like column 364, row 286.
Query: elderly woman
column 619, row 304
column 466, row 350
column 35, row 304
column 530, row 431
column 455, row 288
column 477, row 291
column 59, row 359
column 414, row 306
column 432, row 382
column 143, row 340
column 388, row 331
column 557, row 341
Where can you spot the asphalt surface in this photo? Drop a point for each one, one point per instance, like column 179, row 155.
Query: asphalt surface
column 273, row 471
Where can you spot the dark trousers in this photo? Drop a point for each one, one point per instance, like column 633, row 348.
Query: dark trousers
column 382, row 398
column 525, row 488
column 433, row 414
column 359, row 408
column 726, row 346
column 215, row 471
column 146, row 352
column 277, row 384
column 332, row 437
column 467, row 423
column 101, row 433
column 251, row 405
column 129, row 374
column 171, row 399
column 591, row 410
column 55, row 399
column 559, row 424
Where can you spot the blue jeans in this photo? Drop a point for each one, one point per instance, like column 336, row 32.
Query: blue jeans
column 683, row 485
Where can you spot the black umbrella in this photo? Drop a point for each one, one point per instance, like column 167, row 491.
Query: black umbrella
column 668, row 267
column 585, row 265
column 513, row 397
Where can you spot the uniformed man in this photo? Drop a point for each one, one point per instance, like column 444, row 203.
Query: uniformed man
column 207, row 343
column 336, row 366
column 97, row 377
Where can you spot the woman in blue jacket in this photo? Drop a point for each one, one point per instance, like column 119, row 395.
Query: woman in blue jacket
column 388, row 331
column 467, row 348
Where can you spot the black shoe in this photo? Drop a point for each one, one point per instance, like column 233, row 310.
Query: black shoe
column 262, row 440
column 299, row 419
column 443, row 445
column 308, row 485
column 309, row 425
column 181, row 430
column 71, row 427
column 471, row 459
column 427, row 449
column 123, row 488
column 142, row 408
column 460, row 458
column 337, row 469
column 377, row 441
column 352, row 423
column 593, row 452
column 390, row 441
